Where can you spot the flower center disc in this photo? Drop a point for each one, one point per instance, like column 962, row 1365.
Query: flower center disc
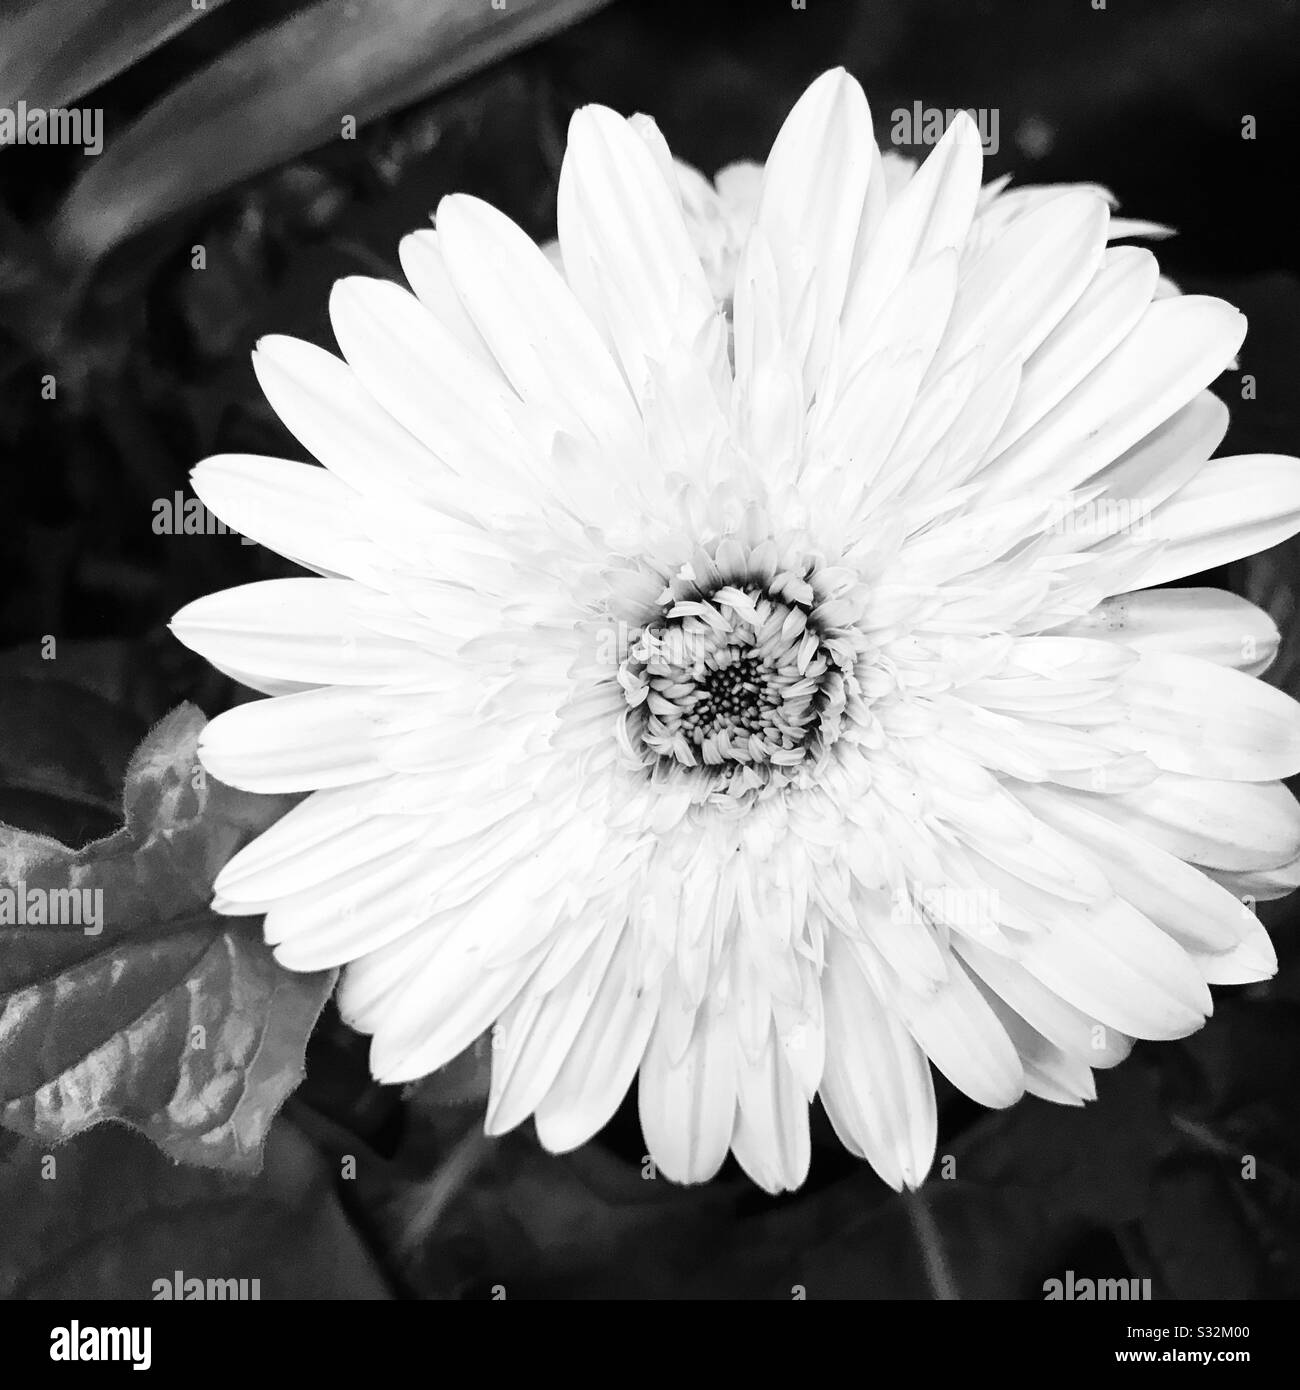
column 738, row 683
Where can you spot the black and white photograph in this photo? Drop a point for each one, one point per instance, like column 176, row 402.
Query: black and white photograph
column 649, row 652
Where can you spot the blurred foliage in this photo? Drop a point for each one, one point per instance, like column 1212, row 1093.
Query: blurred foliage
column 223, row 131
column 106, row 1216
column 145, row 1007
column 53, row 51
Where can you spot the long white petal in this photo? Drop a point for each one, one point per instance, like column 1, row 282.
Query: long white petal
column 1210, row 624
column 627, row 254
column 810, row 207
column 1176, row 350
column 1233, row 507
column 317, row 631
column 1194, row 717
column 604, row 1058
column 877, row 1087
column 688, row 1107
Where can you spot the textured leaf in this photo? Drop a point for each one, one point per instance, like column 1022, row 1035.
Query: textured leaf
column 142, row 1005
column 52, row 51
column 109, row 1216
column 286, row 90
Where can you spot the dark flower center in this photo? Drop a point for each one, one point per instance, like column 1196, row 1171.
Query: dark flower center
column 741, row 682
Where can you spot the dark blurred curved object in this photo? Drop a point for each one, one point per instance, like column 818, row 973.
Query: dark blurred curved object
column 53, row 51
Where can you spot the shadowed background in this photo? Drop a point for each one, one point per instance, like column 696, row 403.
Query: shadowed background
column 224, row 130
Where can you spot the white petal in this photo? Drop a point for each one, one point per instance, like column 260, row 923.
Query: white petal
column 933, row 211
column 771, row 1140
column 328, row 833
column 688, row 1107
column 1233, row 507
column 1142, row 478
column 457, row 979
column 1069, row 1028
column 627, row 254
column 462, row 410
column 1251, row 960
column 876, row 1088
column 1260, row 885
column 425, row 269
column 1191, row 716
column 546, row 345
column 605, row 1056
column 1102, row 317
column 452, row 1010
column 1238, row 826
column 374, row 898
column 315, row 631
column 810, row 207
column 874, row 376
column 536, row 1033
column 321, row 400
column 302, row 512
column 300, row 742
column 1114, row 964
column 1050, row 1071
column 1212, row 925
column 1019, row 290
column 1177, row 349
column 769, row 346
column 1210, row 624
column 963, row 1038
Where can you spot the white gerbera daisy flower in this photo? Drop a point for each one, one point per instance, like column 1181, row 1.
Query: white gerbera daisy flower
column 736, row 665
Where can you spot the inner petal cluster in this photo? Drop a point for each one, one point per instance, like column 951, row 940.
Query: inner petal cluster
column 740, row 681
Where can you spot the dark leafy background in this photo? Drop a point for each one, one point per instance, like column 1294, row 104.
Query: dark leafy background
column 223, row 130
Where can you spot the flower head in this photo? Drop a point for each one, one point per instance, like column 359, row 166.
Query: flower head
column 734, row 660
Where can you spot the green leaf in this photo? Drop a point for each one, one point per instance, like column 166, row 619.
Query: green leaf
column 285, row 90
column 53, row 51
column 106, row 1216
column 142, row 1005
